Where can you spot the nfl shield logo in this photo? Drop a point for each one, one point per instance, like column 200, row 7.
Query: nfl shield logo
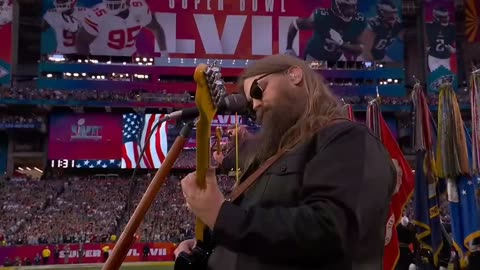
column 3, row 72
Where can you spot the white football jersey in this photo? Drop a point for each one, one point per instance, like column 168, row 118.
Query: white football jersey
column 6, row 14
column 66, row 27
column 116, row 36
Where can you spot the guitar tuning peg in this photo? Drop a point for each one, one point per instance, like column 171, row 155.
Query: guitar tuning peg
column 212, row 81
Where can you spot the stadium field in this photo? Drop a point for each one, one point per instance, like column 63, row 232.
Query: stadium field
column 125, row 266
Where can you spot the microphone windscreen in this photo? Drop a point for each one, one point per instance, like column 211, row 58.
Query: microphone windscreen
column 235, row 103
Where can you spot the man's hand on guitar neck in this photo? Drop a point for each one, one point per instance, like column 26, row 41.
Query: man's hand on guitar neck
column 204, row 203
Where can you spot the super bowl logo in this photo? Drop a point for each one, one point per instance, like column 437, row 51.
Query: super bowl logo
column 80, row 131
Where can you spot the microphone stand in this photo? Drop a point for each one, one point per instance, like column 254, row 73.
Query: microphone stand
column 127, row 238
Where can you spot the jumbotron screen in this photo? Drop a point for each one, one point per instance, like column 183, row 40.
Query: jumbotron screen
column 116, row 140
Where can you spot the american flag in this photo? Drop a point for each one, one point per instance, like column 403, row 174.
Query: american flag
column 136, row 130
column 97, row 164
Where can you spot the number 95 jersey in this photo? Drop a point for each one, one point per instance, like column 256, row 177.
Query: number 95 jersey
column 116, row 36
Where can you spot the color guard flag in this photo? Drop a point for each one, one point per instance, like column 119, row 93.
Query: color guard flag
column 404, row 187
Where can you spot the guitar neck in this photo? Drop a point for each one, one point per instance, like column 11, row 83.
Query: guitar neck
column 203, row 164
column 208, row 91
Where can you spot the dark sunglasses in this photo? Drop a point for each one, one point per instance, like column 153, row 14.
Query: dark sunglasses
column 256, row 91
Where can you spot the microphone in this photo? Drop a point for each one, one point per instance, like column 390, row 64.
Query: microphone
column 235, row 103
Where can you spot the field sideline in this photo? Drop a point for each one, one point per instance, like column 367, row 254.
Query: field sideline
column 98, row 266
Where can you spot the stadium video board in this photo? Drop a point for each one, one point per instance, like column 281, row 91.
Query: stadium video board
column 99, row 140
column 179, row 31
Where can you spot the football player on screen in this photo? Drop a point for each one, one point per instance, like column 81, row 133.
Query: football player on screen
column 65, row 19
column 381, row 31
column 111, row 28
column 6, row 12
column 440, row 39
column 336, row 32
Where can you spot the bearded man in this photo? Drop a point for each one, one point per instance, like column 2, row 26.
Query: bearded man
column 322, row 205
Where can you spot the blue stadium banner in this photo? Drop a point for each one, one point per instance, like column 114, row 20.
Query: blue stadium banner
column 440, row 35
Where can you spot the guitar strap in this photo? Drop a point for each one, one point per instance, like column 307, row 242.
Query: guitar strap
column 243, row 186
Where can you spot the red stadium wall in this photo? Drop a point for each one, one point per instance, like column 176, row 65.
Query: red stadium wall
column 93, row 252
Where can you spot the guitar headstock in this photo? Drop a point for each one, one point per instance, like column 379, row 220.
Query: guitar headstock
column 210, row 88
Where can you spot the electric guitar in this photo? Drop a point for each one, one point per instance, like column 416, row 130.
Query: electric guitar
column 210, row 91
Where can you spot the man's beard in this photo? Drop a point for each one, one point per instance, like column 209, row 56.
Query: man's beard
column 275, row 122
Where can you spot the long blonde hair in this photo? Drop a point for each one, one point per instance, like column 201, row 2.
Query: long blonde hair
column 321, row 106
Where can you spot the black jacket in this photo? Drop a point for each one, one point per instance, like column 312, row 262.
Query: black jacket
column 322, row 206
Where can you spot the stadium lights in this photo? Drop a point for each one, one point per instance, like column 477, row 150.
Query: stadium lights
column 68, row 74
column 75, row 74
column 37, row 169
column 84, row 74
column 124, row 63
column 20, row 168
column 28, row 168
column 395, row 81
column 109, row 62
column 49, row 75
column 389, row 80
column 56, row 58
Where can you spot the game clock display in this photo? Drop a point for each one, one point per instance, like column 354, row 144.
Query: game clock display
column 62, row 163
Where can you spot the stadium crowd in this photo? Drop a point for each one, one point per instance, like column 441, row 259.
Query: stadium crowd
column 38, row 94
column 169, row 219
column 73, row 210
column 22, row 200
column 14, row 120
column 31, row 93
